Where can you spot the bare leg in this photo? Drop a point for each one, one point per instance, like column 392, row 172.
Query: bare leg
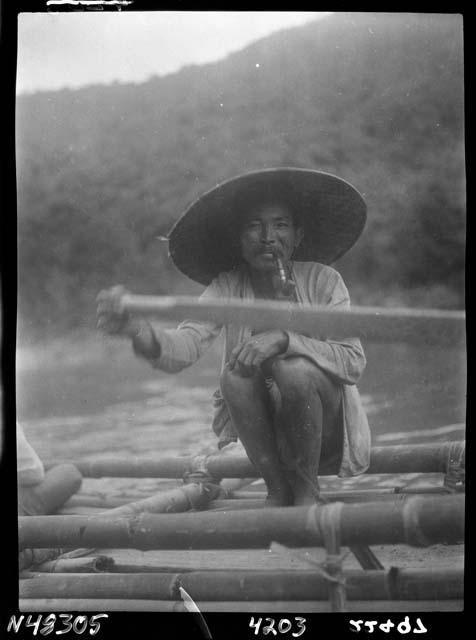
column 248, row 403
column 307, row 420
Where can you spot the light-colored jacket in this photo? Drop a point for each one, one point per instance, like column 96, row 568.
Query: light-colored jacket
column 317, row 285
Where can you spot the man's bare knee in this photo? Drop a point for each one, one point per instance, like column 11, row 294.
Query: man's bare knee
column 292, row 372
column 295, row 375
column 232, row 383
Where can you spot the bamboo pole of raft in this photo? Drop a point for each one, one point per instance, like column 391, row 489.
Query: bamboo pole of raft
column 98, row 502
column 393, row 584
column 227, row 487
column 350, row 495
column 377, row 324
column 29, row 557
column 418, row 458
column 189, row 496
column 95, row 504
column 77, row 565
column 255, row 499
column 259, row 501
column 297, row 606
column 418, row 521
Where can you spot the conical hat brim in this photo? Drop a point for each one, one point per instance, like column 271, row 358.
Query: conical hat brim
column 332, row 214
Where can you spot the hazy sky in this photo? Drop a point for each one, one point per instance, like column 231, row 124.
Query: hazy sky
column 74, row 49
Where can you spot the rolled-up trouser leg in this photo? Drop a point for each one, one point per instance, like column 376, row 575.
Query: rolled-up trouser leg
column 51, row 493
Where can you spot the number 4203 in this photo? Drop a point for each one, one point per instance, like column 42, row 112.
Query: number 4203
column 282, row 626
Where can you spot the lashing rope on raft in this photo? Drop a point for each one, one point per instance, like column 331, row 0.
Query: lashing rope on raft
column 328, row 518
column 454, row 479
column 199, row 473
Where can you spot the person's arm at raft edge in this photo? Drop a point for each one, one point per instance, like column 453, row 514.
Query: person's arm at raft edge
column 30, row 469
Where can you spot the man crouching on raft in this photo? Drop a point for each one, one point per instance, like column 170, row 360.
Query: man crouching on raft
column 290, row 398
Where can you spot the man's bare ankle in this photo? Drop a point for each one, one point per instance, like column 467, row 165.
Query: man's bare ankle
column 304, row 499
column 280, row 498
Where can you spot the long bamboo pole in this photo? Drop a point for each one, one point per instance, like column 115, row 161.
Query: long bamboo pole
column 252, row 499
column 418, row 458
column 103, row 502
column 81, row 511
column 404, row 584
column 189, row 496
column 255, row 499
column 249, row 498
column 99, row 502
column 418, row 521
column 77, row 565
column 258, row 502
column 350, row 495
column 176, row 606
column 378, row 324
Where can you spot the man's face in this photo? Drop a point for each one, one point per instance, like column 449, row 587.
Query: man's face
column 266, row 231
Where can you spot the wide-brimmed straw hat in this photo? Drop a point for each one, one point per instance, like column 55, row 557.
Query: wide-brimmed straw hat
column 331, row 212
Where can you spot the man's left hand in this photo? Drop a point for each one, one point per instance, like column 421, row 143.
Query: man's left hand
column 248, row 356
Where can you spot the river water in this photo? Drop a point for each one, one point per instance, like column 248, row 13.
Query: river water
column 84, row 401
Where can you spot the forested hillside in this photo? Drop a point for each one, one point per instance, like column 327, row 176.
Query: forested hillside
column 374, row 98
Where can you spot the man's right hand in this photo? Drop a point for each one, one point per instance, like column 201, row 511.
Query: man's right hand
column 111, row 317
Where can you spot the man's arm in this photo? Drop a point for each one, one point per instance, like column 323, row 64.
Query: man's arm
column 343, row 359
column 168, row 349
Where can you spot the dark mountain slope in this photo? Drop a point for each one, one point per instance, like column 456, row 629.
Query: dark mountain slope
column 376, row 99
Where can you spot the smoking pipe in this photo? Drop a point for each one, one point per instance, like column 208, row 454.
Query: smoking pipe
column 286, row 284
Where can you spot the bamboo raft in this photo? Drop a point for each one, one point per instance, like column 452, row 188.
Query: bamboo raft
column 210, row 520
column 200, row 524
